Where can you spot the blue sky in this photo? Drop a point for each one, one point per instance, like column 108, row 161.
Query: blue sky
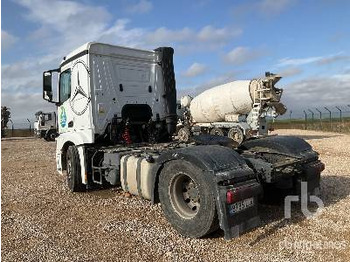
column 307, row 42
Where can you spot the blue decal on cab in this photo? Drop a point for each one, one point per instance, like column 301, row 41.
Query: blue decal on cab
column 63, row 117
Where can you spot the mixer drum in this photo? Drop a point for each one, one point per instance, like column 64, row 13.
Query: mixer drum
column 213, row 104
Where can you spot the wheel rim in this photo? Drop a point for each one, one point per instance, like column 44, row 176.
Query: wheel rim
column 217, row 132
column 184, row 196
column 236, row 135
column 184, row 135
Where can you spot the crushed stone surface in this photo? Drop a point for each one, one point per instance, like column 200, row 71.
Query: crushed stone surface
column 42, row 221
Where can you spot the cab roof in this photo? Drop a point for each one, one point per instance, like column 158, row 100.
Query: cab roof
column 106, row 49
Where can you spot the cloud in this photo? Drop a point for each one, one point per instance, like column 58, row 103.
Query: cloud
column 120, row 34
column 63, row 26
column 298, row 61
column 215, row 81
column 210, row 33
column 241, row 55
column 267, row 8
column 93, row 23
column 26, row 75
column 320, row 60
column 141, row 7
column 195, row 69
column 290, row 71
column 24, row 105
column 317, row 92
column 164, row 35
column 206, row 35
column 273, row 7
column 7, row 40
column 333, row 59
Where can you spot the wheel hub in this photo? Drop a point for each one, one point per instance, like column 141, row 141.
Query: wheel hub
column 184, row 195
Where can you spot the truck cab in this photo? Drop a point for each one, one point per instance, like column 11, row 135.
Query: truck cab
column 45, row 125
column 111, row 94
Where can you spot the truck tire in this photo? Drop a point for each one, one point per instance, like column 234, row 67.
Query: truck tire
column 188, row 199
column 184, row 134
column 73, row 170
column 236, row 134
column 50, row 135
column 217, row 132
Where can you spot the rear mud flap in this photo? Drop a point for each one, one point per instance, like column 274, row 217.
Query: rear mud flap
column 311, row 175
column 240, row 215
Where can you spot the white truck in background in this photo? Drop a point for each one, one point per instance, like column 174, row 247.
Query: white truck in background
column 237, row 109
column 45, row 125
column 116, row 121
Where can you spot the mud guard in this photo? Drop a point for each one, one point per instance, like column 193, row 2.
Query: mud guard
column 288, row 145
column 229, row 172
column 306, row 160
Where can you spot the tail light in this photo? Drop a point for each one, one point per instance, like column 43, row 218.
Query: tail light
column 230, row 197
column 237, row 193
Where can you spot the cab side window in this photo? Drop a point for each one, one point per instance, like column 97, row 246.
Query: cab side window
column 65, row 85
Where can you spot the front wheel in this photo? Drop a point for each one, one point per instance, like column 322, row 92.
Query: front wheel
column 50, row 135
column 188, row 199
column 74, row 170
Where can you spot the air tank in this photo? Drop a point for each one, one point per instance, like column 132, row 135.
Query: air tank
column 234, row 98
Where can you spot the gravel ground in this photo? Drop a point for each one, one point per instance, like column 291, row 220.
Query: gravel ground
column 42, row 221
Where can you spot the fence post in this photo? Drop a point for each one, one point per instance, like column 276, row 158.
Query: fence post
column 305, row 115
column 312, row 115
column 30, row 125
column 290, row 118
column 330, row 116
column 340, row 114
column 320, row 116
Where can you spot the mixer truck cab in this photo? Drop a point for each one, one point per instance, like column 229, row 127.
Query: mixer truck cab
column 117, row 116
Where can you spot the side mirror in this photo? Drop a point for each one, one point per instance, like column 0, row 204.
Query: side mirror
column 47, row 85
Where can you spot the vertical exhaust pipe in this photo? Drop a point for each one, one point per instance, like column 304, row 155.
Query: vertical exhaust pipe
column 167, row 65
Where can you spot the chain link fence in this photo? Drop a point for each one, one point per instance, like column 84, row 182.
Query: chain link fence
column 19, row 128
column 327, row 118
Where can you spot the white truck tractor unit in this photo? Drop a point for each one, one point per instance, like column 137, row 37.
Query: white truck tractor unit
column 116, row 121
column 45, row 125
column 237, row 109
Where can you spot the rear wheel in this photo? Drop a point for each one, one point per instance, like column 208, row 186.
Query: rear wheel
column 74, row 170
column 217, row 132
column 236, row 134
column 188, row 199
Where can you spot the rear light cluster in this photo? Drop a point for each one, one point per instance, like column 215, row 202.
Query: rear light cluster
column 232, row 195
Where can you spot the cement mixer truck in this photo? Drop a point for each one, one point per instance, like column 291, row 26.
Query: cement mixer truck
column 237, row 109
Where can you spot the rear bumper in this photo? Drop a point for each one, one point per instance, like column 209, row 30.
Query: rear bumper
column 236, row 223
